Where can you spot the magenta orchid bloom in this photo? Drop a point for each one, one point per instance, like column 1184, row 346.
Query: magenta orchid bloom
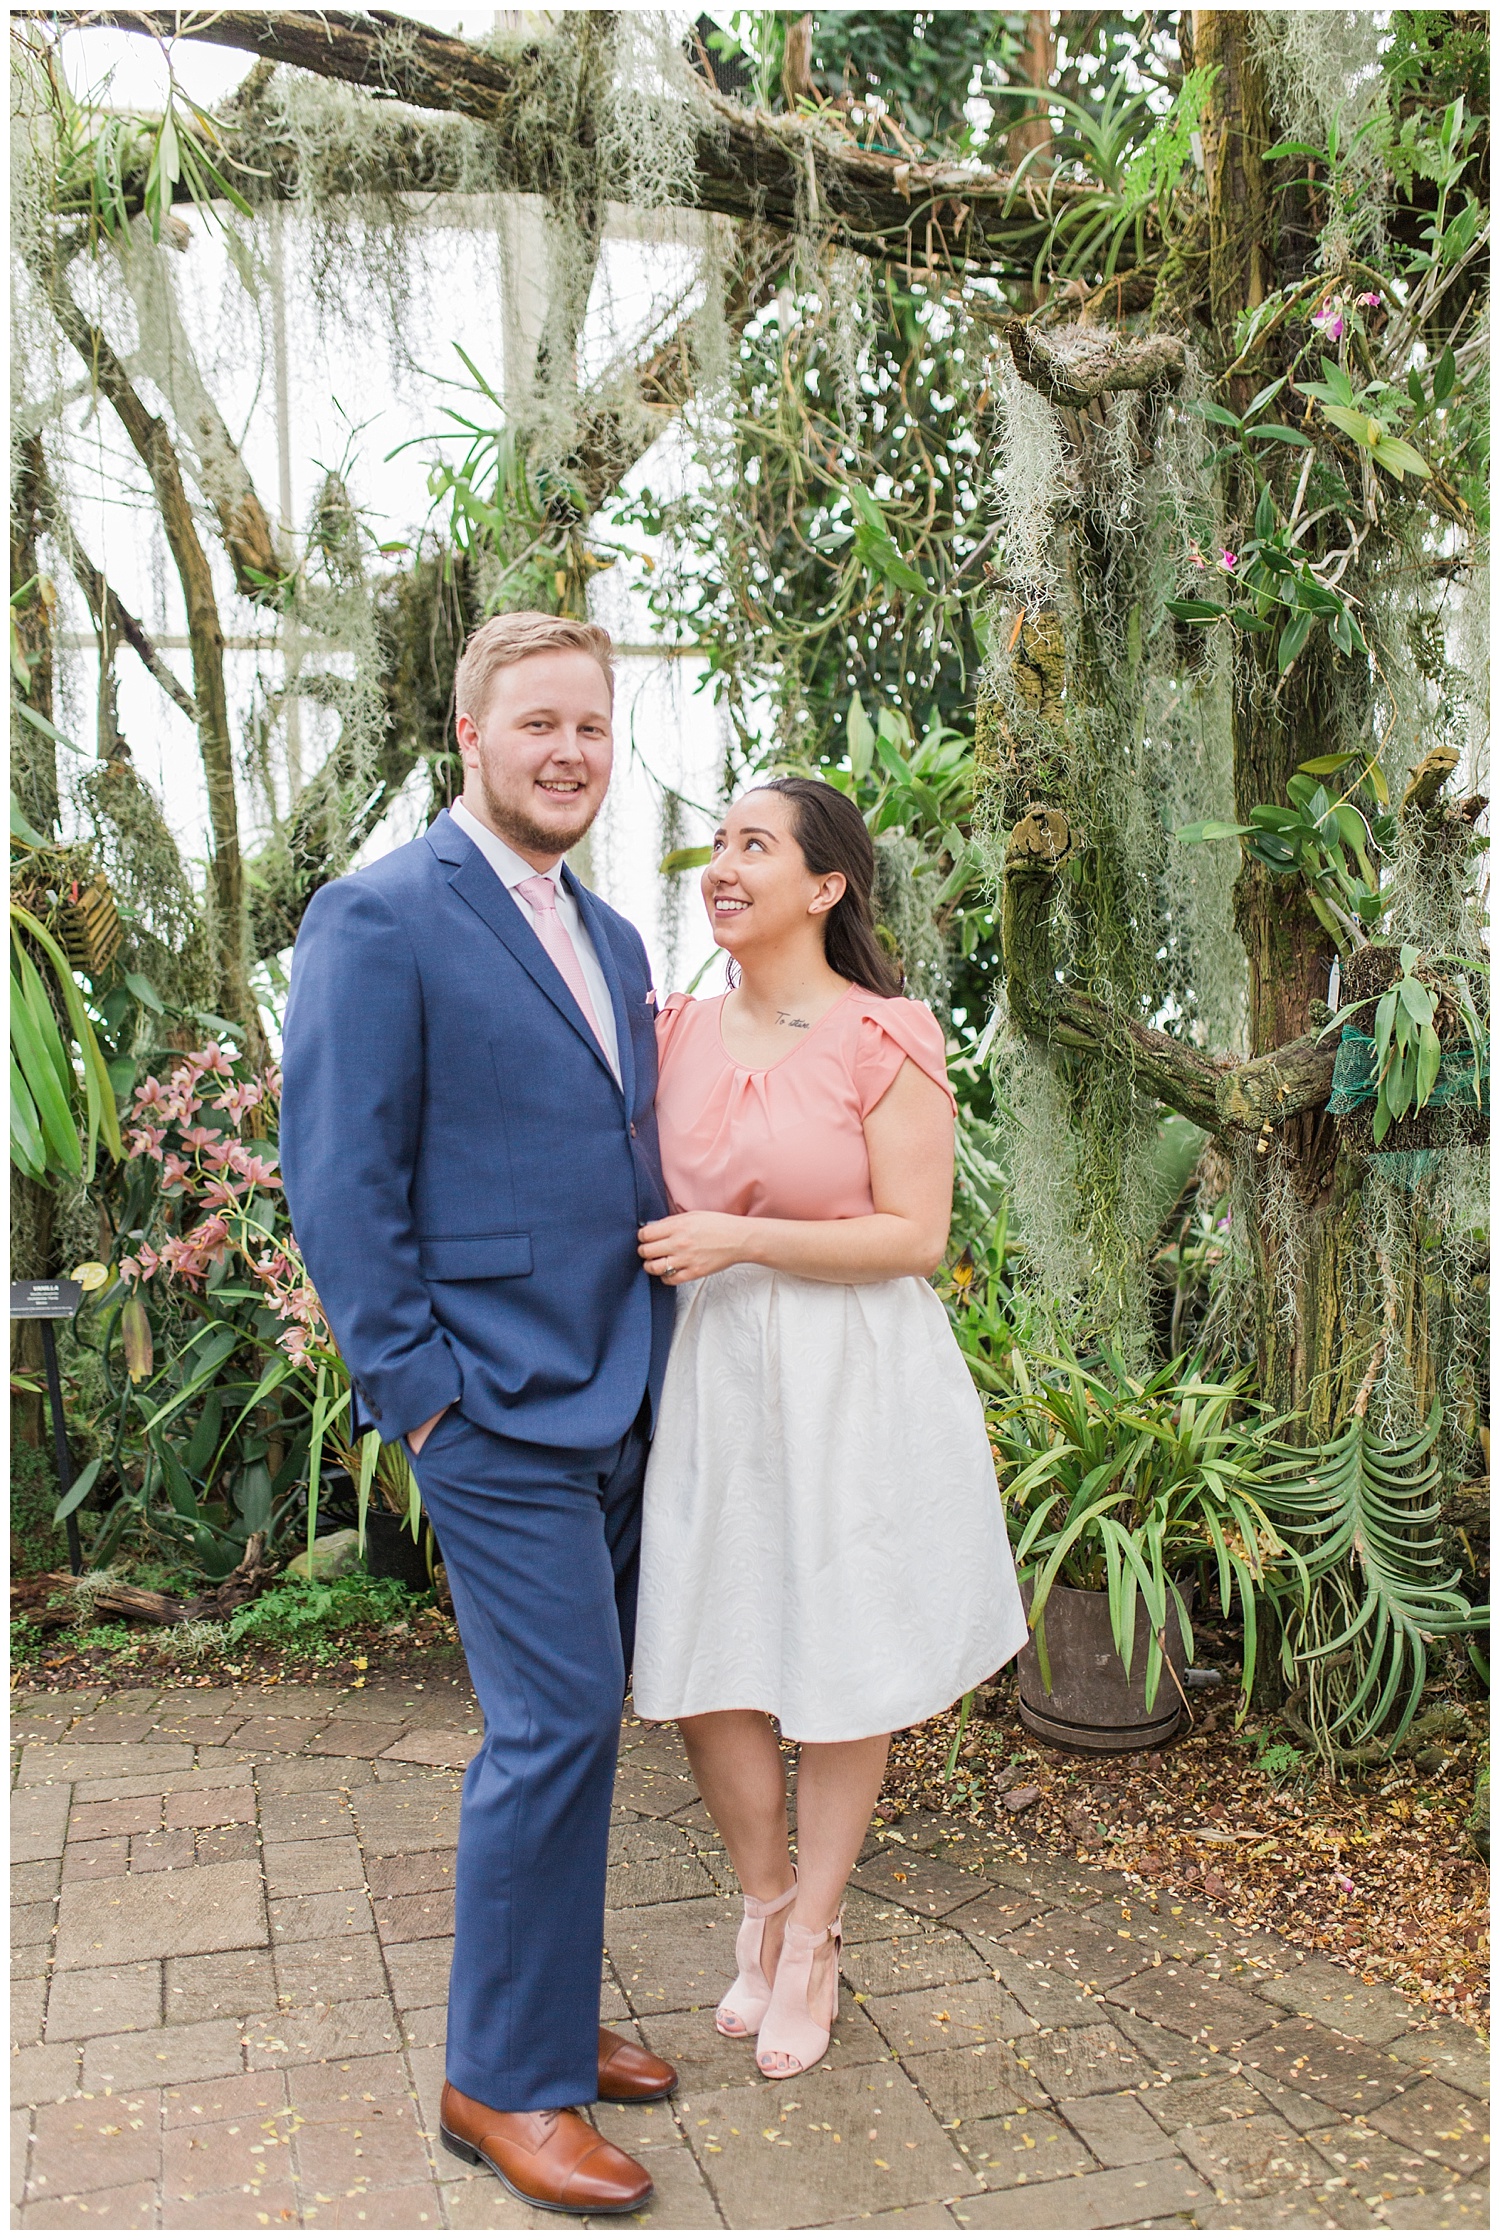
column 1229, row 561
column 1369, row 301
column 1330, row 320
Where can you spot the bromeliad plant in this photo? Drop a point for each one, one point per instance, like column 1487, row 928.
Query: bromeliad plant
column 1120, row 1484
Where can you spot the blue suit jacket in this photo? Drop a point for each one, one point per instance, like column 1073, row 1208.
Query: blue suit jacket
column 464, row 1173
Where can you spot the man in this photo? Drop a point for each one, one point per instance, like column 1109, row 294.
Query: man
column 469, row 1147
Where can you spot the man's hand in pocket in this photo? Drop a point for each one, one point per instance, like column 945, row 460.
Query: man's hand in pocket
column 417, row 1439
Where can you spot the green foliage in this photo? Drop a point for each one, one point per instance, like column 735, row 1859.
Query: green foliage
column 108, row 165
column 528, row 522
column 44, row 1076
column 997, row 1326
column 1279, row 1759
column 1359, row 1515
column 290, row 1615
column 910, row 75
column 1120, row 1484
column 1408, row 1051
column 36, row 1541
column 1333, row 843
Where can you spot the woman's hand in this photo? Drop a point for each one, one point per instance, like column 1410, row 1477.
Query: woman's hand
column 688, row 1245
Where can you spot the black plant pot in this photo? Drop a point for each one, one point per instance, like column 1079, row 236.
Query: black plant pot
column 391, row 1552
column 1093, row 1707
column 338, row 1499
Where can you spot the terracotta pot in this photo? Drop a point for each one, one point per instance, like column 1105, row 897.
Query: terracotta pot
column 1093, row 1706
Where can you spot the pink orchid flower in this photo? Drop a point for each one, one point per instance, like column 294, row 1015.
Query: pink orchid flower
column 221, row 1193
column 294, row 1343
column 1369, row 301
column 210, row 1059
column 1331, row 320
column 1195, row 554
column 174, row 1174
column 238, row 1099
column 272, row 1079
column 145, row 1143
column 148, row 1098
column 259, row 1173
column 201, row 1139
column 183, row 1260
column 211, row 1235
column 1229, row 561
column 140, row 1267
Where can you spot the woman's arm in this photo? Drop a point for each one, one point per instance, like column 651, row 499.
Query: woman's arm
column 910, row 1140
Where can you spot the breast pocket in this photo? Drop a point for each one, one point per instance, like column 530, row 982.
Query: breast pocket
column 475, row 1259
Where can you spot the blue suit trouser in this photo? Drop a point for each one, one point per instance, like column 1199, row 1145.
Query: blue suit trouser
column 542, row 1549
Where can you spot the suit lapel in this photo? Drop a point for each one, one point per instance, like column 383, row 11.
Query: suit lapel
column 487, row 895
column 593, row 917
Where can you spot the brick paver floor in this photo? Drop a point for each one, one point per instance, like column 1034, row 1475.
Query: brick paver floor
column 231, row 1935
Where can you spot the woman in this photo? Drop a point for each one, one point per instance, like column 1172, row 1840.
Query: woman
column 823, row 1542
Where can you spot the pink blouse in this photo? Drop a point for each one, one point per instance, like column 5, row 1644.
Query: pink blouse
column 786, row 1141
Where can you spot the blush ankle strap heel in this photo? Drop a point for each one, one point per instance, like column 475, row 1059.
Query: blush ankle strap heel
column 740, row 2011
column 799, row 2021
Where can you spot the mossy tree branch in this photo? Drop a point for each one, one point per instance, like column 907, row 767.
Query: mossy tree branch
column 1215, row 1095
column 748, row 164
column 153, row 446
column 105, row 604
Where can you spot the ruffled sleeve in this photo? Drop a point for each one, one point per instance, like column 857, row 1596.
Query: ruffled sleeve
column 667, row 1020
column 891, row 1030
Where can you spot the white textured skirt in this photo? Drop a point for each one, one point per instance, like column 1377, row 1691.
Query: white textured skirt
column 823, row 1537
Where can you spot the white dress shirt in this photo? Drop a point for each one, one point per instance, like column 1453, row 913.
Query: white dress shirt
column 511, row 869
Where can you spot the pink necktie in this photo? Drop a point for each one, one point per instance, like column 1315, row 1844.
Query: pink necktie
column 553, row 935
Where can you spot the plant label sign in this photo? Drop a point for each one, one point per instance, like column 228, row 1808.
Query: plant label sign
column 47, row 1299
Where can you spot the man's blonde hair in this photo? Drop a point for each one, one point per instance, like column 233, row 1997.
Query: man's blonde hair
column 508, row 638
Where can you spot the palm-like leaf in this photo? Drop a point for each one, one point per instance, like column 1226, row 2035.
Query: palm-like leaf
column 1361, row 1517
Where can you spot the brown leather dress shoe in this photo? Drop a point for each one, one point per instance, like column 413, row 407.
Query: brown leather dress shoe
column 547, row 2157
column 628, row 2072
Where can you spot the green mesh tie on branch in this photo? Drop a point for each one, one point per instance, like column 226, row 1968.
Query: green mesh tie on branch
column 1404, row 1168
column 1354, row 1081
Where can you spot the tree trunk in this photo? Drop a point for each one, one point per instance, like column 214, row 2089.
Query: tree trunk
column 1303, row 1199
column 1041, row 61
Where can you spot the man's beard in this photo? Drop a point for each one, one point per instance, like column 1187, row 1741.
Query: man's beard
column 513, row 824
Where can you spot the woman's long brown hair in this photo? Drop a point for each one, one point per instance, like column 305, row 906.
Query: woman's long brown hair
column 831, row 834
